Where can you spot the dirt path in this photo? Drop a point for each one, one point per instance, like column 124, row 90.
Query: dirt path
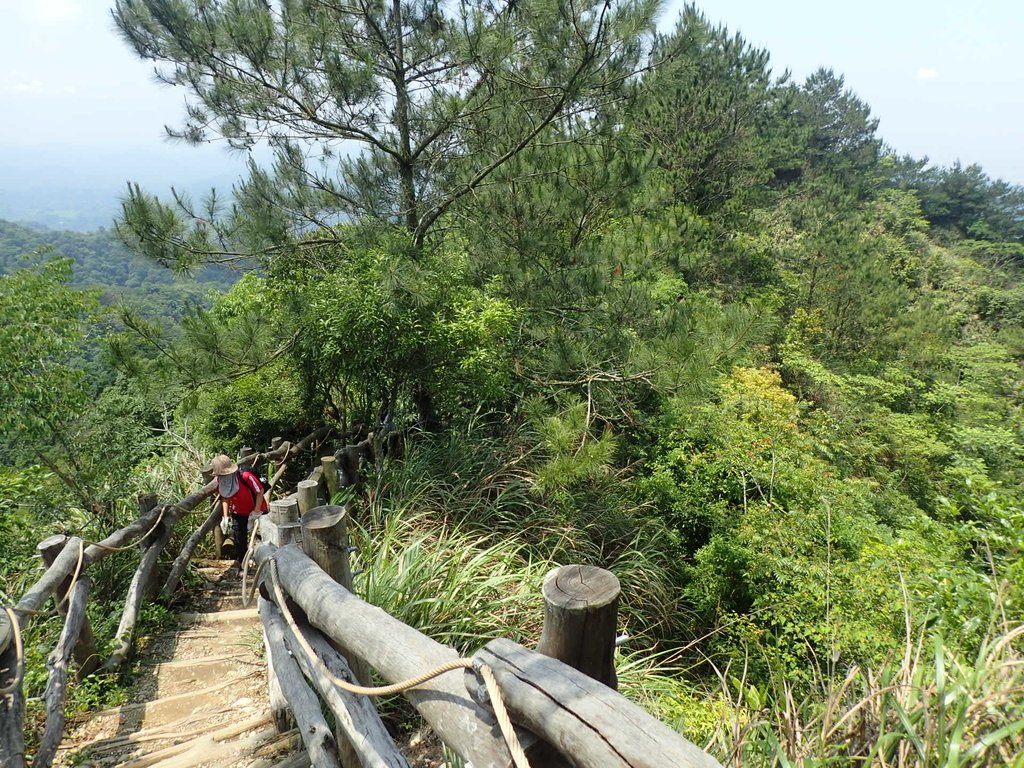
column 200, row 700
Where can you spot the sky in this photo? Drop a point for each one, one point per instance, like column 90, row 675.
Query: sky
column 944, row 78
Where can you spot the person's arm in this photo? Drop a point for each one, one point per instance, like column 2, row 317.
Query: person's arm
column 258, row 507
column 224, row 507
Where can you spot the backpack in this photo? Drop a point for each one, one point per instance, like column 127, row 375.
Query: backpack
column 264, row 483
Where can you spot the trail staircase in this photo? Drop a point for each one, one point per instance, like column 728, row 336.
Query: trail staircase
column 279, row 683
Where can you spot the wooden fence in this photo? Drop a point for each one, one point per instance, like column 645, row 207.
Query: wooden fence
column 322, row 642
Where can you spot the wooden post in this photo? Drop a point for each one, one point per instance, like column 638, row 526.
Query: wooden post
column 316, row 734
column 580, row 613
column 218, row 537
column 330, row 465
column 160, row 534
column 284, row 718
column 284, row 514
column 146, row 502
column 57, row 664
column 357, row 724
column 325, row 542
column 218, row 534
column 275, row 443
column 85, row 649
column 396, row 651
column 306, row 495
column 12, row 711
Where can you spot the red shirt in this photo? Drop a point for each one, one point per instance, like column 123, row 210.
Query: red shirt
column 243, row 502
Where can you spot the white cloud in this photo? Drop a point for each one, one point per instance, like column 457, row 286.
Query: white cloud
column 926, row 73
column 34, row 86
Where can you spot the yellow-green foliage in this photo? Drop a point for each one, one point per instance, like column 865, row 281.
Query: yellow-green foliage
column 801, row 562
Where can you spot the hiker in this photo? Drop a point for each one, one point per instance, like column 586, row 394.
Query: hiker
column 241, row 495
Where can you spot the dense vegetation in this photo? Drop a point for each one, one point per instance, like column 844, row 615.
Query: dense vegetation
column 632, row 299
column 101, row 261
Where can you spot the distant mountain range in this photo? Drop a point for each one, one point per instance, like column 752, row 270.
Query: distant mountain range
column 69, row 188
column 101, row 261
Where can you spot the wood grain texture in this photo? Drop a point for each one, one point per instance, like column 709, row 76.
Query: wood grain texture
column 587, row 722
column 316, row 734
column 580, row 619
column 397, row 652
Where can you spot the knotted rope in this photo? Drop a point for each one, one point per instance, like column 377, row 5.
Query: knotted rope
column 485, row 672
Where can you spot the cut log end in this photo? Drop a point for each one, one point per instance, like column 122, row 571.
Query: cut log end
column 581, row 587
column 326, row 516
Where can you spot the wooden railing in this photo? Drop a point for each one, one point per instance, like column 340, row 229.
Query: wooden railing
column 68, row 560
column 322, row 641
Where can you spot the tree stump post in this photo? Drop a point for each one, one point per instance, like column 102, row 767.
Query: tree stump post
column 325, row 542
column 581, row 605
column 85, row 651
column 284, row 514
column 275, row 443
column 331, row 477
column 306, row 494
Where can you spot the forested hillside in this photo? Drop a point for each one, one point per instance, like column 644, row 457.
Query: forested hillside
column 102, row 261
column 627, row 298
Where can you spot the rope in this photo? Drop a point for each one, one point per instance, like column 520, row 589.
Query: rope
column 19, row 654
column 490, row 682
column 247, row 593
column 81, row 559
column 159, row 519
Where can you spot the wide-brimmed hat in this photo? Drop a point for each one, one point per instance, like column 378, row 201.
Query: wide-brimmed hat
column 223, row 465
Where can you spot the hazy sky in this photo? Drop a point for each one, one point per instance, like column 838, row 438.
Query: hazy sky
column 943, row 77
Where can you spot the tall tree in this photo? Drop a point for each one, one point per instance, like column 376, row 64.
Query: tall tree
column 828, row 130
column 388, row 111
column 701, row 113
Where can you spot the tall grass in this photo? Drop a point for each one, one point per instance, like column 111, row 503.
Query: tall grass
column 933, row 708
column 479, row 493
column 460, row 588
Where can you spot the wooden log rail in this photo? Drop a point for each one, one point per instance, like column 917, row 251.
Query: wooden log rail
column 67, row 560
column 565, row 716
column 321, row 640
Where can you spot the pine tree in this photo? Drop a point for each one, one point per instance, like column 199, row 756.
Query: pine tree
column 387, row 112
